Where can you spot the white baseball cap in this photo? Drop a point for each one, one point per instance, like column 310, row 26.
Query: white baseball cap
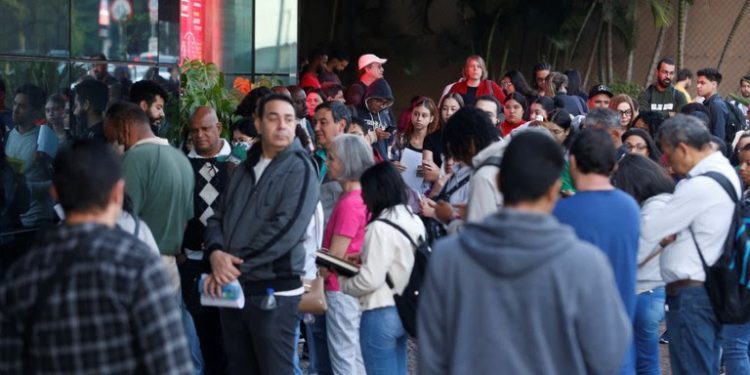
column 368, row 59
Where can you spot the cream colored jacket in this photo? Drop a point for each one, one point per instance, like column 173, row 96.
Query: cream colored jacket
column 385, row 250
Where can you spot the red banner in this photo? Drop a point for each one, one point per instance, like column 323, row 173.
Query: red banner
column 192, row 22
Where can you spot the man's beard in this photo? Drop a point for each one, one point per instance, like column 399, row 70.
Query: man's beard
column 665, row 82
column 155, row 121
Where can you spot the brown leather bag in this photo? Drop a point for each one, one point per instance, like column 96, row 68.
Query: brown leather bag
column 314, row 299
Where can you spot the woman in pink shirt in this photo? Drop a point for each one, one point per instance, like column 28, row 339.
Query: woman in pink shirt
column 344, row 234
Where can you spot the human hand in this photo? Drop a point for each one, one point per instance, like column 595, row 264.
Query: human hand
column 444, row 212
column 399, row 166
column 355, row 258
column 667, row 240
column 460, row 210
column 427, row 207
column 211, row 287
column 224, row 267
column 430, row 171
column 382, row 134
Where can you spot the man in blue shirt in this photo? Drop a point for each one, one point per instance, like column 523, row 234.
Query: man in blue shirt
column 707, row 86
column 603, row 215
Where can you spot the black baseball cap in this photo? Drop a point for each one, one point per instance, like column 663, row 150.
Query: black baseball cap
column 600, row 89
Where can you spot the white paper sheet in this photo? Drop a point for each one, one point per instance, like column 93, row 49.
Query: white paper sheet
column 411, row 160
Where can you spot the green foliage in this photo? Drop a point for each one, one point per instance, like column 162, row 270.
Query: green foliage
column 202, row 84
column 622, row 87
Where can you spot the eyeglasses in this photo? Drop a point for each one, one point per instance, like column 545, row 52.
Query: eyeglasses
column 505, row 83
column 626, row 113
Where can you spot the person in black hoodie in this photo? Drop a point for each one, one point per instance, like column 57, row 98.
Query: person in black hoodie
column 375, row 113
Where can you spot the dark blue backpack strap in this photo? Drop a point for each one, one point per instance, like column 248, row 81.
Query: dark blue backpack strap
column 724, row 182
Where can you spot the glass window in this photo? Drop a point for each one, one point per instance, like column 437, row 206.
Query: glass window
column 35, row 28
column 125, row 30
column 276, row 37
column 230, row 44
column 35, row 122
column 169, row 31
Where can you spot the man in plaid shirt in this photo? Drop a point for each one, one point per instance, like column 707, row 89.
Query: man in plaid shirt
column 113, row 311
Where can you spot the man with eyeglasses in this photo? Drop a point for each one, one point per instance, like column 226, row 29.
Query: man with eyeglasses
column 662, row 96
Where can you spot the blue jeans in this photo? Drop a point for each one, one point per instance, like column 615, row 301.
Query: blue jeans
column 295, row 358
column 192, row 336
column 383, row 341
column 317, row 347
column 735, row 339
column 649, row 312
column 693, row 332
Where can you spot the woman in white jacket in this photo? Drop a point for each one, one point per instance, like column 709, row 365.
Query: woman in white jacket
column 651, row 187
column 385, row 253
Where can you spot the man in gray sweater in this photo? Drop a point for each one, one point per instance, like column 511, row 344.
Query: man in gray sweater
column 256, row 235
column 519, row 293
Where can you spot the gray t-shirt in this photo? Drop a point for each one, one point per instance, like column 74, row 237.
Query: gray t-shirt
column 21, row 151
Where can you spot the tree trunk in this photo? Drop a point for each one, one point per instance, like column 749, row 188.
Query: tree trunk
column 334, row 21
column 504, row 63
column 631, row 58
column 736, row 24
column 555, row 55
column 610, row 60
column 602, row 59
column 580, row 32
column 682, row 10
column 491, row 38
column 593, row 53
column 657, row 54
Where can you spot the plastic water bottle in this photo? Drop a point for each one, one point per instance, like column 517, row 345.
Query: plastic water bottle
column 269, row 301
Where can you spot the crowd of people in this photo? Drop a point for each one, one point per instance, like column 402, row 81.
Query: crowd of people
column 565, row 226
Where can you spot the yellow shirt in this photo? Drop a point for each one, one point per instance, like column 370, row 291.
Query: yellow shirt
column 682, row 90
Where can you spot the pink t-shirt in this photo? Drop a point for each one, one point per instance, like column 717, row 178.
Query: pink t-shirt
column 348, row 219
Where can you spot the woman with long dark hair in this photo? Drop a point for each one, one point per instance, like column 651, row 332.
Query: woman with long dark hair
column 407, row 150
column 513, row 81
column 387, row 256
column 574, row 84
column 638, row 141
column 651, row 186
column 516, row 112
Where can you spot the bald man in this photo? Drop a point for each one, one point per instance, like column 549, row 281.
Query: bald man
column 160, row 184
column 209, row 161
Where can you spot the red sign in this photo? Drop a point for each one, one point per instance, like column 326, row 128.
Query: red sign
column 192, row 21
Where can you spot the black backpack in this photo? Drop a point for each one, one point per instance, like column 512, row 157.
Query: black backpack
column 406, row 302
column 728, row 280
column 736, row 121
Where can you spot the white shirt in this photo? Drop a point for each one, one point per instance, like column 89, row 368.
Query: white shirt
column 700, row 203
column 260, row 167
column 226, row 149
column 385, row 252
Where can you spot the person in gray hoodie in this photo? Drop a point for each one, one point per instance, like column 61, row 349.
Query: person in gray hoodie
column 257, row 235
column 507, row 295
